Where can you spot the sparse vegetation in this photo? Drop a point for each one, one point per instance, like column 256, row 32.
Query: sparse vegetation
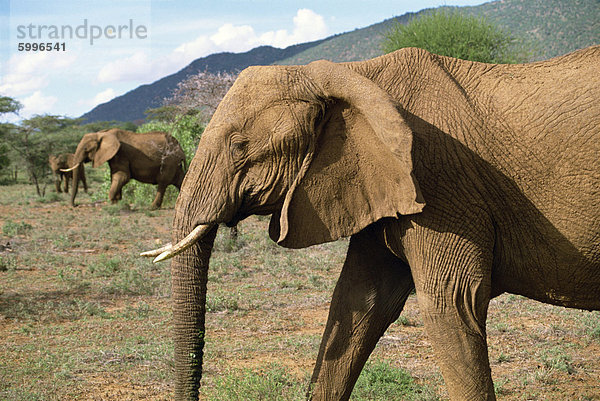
column 12, row 229
column 81, row 316
column 381, row 381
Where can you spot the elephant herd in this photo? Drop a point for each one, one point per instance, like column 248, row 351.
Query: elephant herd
column 455, row 179
column 152, row 157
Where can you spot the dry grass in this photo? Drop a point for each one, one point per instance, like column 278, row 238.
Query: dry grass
column 82, row 317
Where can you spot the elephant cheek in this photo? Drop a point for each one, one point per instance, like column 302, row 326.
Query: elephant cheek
column 189, row 275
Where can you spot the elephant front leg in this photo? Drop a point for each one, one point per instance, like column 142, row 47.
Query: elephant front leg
column 82, row 179
column 119, row 179
column 369, row 296
column 57, row 182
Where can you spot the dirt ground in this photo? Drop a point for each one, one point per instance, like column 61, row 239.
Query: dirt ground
column 82, row 317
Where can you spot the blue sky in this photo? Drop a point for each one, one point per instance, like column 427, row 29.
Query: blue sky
column 113, row 46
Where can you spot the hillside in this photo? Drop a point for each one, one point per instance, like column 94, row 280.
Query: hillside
column 555, row 27
column 550, row 27
column 360, row 44
column 132, row 105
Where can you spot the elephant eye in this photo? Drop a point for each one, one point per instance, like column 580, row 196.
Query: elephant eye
column 238, row 146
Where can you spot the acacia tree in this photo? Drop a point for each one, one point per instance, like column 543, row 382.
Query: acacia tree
column 34, row 139
column 7, row 106
column 450, row 33
column 201, row 93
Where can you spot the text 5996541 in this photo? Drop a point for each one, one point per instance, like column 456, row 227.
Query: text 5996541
column 42, row 47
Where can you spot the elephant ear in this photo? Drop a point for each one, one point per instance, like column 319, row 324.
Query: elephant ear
column 107, row 148
column 360, row 169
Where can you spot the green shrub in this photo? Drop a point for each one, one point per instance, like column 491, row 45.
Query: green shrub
column 7, row 262
column 11, row 229
column 378, row 381
column 450, row 33
column 592, row 325
column 381, row 381
column 272, row 384
column 557, row 359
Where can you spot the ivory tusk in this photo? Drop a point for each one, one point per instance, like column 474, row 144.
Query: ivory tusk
column 66, row 170
column 156, row 252
column 184, row 244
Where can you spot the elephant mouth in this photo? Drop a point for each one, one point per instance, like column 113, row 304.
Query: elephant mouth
column 168, row 251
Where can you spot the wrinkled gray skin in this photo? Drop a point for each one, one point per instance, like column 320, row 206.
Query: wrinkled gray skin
column 61, row 162
column 460, row 180
column 150, row 157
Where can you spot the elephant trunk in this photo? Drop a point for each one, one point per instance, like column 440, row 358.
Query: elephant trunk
column 78, row 160
column 189, row 275
column 76, row 173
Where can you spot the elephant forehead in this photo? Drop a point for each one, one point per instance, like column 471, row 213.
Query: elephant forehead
column 260, row 85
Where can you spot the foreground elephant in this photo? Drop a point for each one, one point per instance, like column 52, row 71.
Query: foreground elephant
column 151, row 157
column 461, row 180
column 62, row 162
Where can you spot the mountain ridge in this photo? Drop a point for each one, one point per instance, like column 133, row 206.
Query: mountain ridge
column 552, row 27
column 122, row 108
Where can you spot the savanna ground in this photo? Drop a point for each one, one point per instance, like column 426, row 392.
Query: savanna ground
column 83, row 317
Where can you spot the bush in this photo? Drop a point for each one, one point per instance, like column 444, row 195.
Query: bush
column 272, row 384
column 12, row 229
column 186, row 129
column 450, row 33
column 378, row 381
column 381, row 381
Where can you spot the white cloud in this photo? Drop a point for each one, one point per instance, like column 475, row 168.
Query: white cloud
column 30, row 71
column 104, row 96
column 307, row 26
column 234, row 38
column 133, row 68
column 15, row 84
column 37, row 103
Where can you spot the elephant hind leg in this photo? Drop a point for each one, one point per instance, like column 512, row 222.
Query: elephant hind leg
column 454, row 294
column 160, row 194
column 369, row 296
column 179, row 176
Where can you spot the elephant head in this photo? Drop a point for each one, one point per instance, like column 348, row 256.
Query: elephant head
column 97, row 147
column 320, row 147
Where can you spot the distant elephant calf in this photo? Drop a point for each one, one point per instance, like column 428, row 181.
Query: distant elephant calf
column 61, row 162
column 151, row 157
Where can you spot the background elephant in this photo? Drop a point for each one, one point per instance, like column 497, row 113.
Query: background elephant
column 458, row 179
column 151, row 157
column 62, row 162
